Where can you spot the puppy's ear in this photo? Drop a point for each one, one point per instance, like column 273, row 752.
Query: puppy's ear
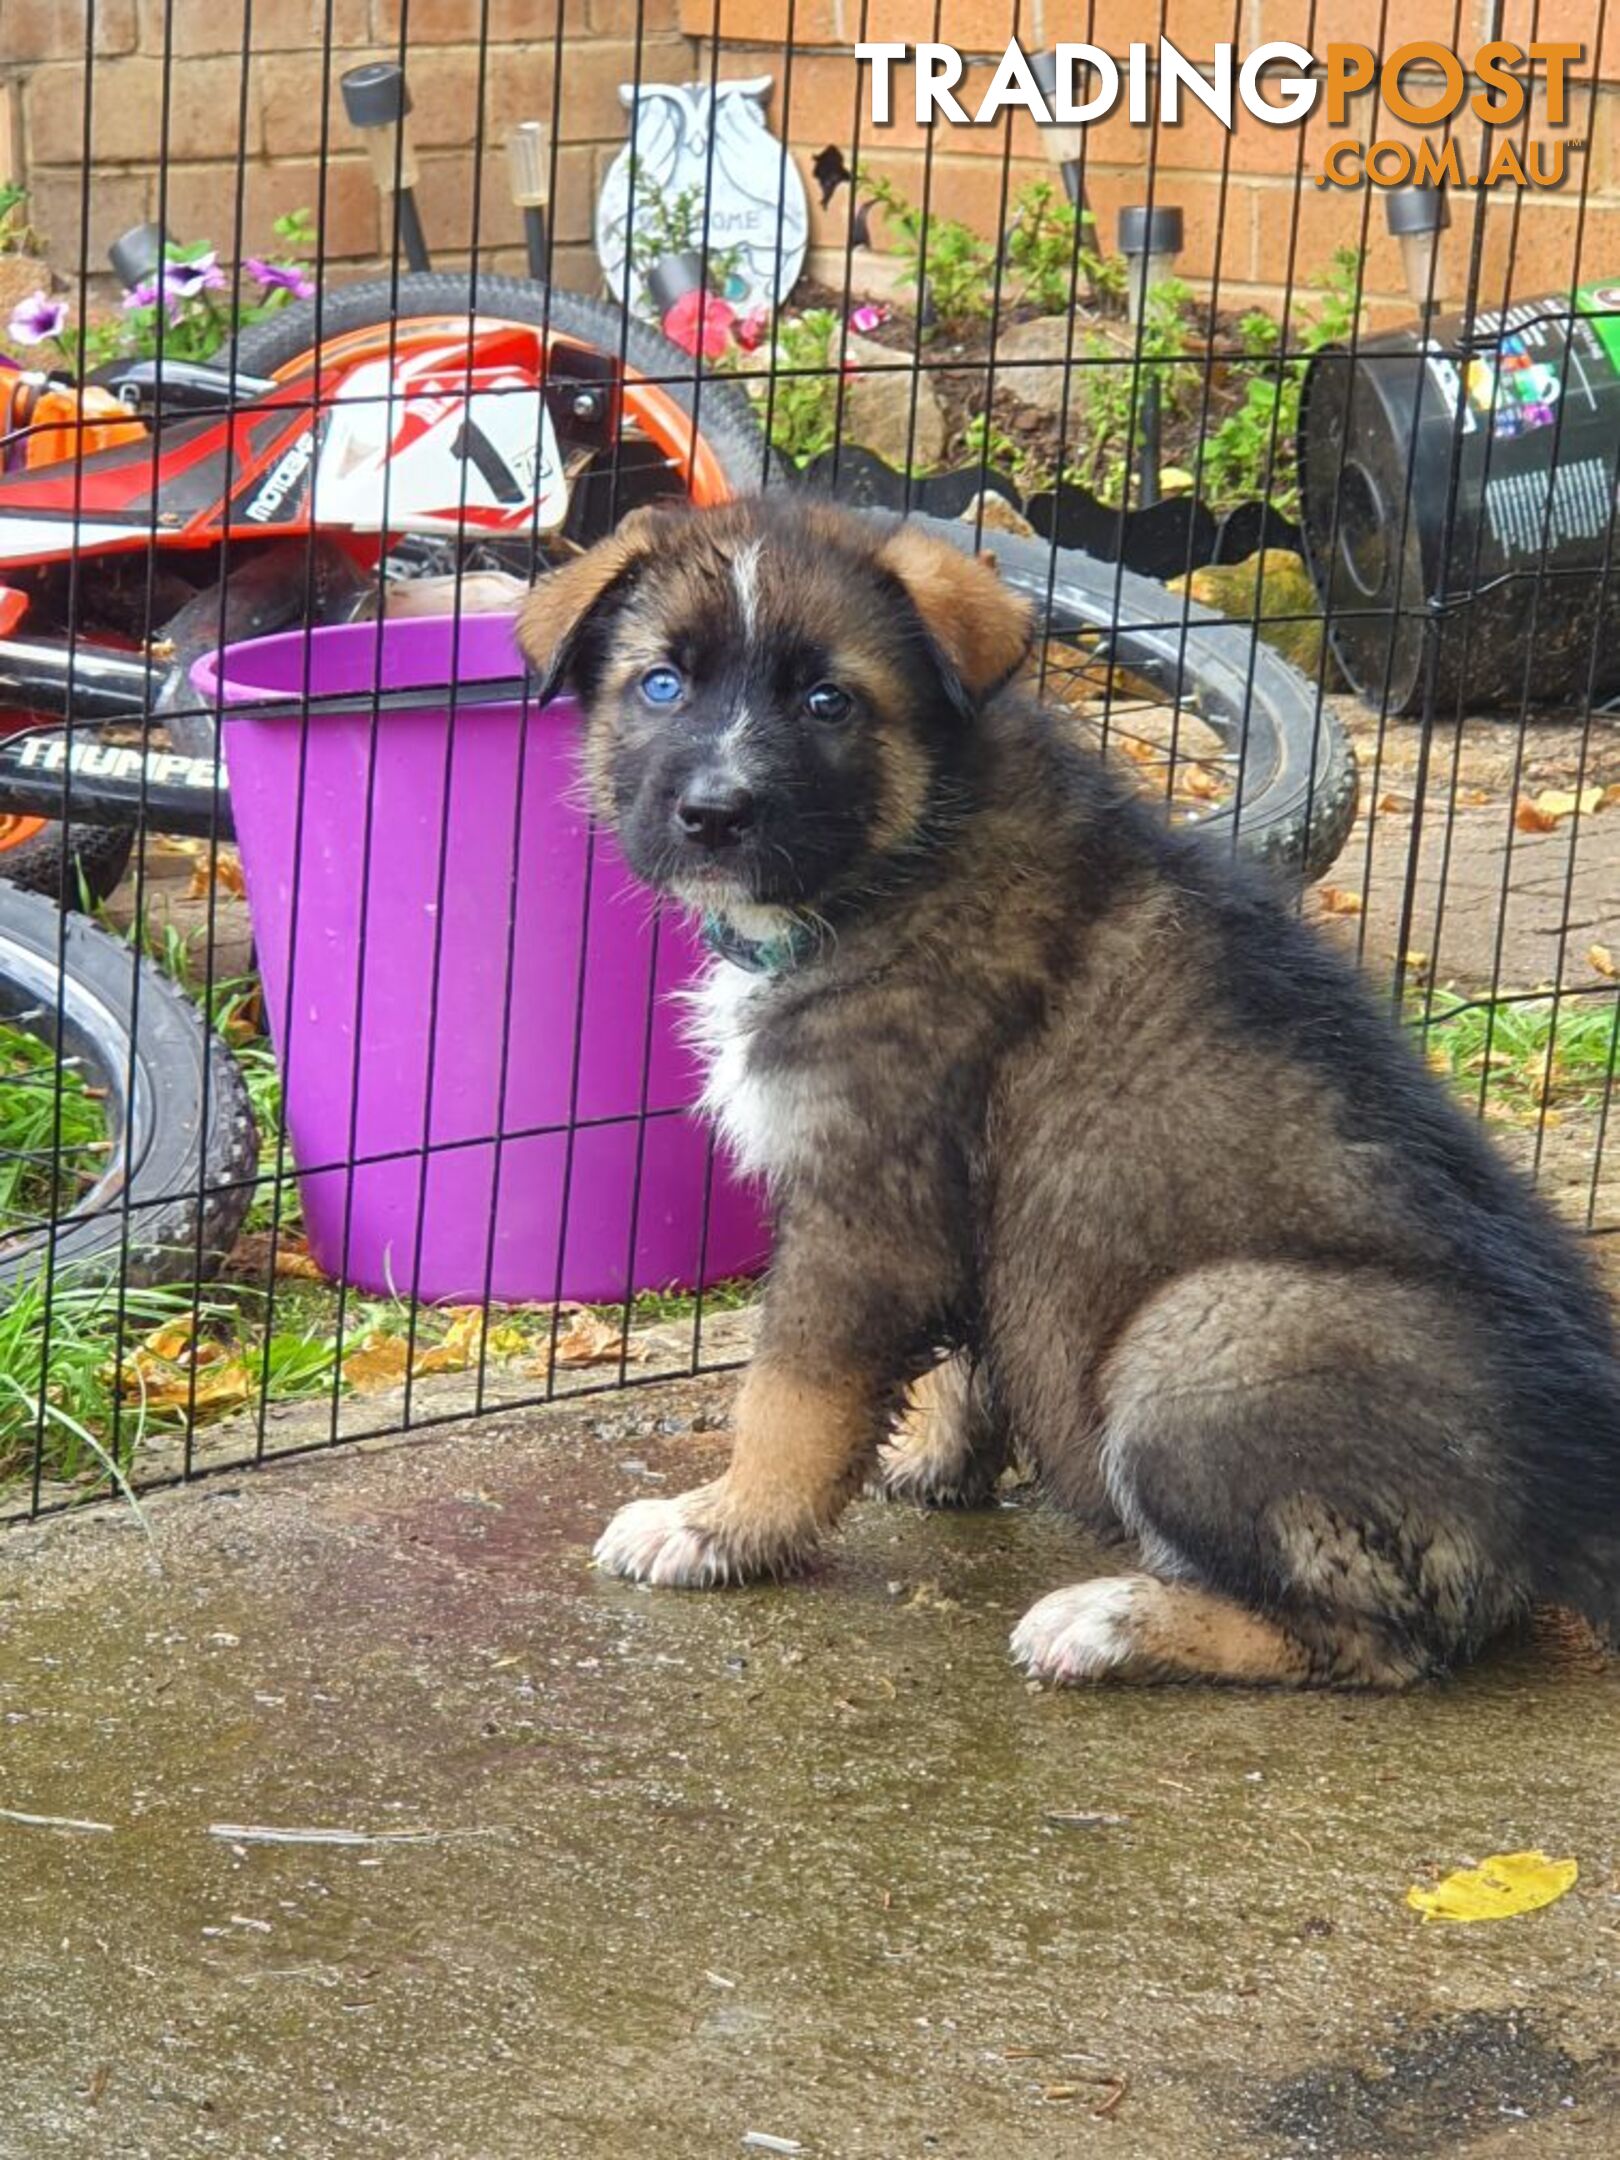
column 982, row 628
column 554, row 618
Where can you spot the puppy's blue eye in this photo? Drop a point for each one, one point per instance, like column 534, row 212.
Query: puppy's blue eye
column 827, row 702
column 662, row 685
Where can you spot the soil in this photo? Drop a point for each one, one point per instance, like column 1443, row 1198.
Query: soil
column 959, row 360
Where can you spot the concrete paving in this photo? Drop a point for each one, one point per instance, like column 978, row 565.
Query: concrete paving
column 649, row 1873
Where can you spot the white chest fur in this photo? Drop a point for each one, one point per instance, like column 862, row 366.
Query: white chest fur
column 765, row 1118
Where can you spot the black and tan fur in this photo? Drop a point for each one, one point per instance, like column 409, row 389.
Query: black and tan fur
column 1068, row 1096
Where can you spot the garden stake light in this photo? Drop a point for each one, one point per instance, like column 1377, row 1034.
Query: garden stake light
column 378, row 104
column 528, row 162
column 1150, row 240
column 1417, row 216
column 138, row 255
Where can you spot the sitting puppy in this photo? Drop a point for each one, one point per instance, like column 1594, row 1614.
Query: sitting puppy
column 1039, row 1082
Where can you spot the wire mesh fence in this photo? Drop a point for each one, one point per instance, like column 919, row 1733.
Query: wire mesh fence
column 342, row 1087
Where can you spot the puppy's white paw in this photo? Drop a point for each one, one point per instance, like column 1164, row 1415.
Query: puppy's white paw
column 662, row 1542
column 1082, row 1633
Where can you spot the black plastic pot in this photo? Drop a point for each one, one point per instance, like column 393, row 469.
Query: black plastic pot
column 1458, row 492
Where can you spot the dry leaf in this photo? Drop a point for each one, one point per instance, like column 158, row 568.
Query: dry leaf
column 1337, row 901
column 1394, row 802
column 1416, row 963
column 469, row 1330
column 1476, row 798
column 170, row 1341
column 224, row 875
column 1611, row 797
column 251, row 1255
column 1601, row 959
column 1506, row 1884
column 1196, row 780
column 588, row 1340
column 1530, row 817
column 1555, row 803
column 377, row 1361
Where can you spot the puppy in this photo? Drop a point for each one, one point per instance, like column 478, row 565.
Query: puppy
column 1044, row 1085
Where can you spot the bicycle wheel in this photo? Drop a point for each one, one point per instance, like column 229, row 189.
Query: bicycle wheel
column 69, row 864
column 1156, row 677
column 676, row 431
column 176, row 1167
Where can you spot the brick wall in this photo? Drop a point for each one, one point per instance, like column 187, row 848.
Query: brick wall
column 1254, row 216
column 175, row 114
column 173, row 105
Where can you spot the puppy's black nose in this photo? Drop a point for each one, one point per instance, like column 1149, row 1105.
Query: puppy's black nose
column 715, row 814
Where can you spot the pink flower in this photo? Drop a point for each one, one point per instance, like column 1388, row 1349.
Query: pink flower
column 36, row 319
column 280, row 277
column 751, row 328
column 868, row 316
column 699, row 322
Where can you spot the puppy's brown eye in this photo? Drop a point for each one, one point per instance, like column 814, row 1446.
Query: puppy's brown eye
column 827, row 702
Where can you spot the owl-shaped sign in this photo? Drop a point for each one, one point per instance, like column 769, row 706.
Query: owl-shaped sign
column 702, row 174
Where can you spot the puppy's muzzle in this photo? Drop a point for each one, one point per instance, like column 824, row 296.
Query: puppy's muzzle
column 714, row 812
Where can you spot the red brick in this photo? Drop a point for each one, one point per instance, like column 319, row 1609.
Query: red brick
column 589, row 107
column 466, row 22
column 623, row 18
column 128, row 122
column 202, row 204
column 972, row 26
column 187, row 27
column 1568, row 22
column 32, row 30
column 56, row 206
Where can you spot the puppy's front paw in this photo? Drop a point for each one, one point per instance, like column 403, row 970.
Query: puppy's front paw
column 693, row 1542
column 1082, row 1633
column 664, row 1542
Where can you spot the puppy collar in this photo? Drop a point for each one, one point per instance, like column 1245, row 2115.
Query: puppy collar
column 760, row 956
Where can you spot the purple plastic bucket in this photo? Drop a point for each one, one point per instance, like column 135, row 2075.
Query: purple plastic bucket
column 491, row 1097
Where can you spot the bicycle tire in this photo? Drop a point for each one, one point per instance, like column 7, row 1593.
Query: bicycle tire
column 184, row 1147
column 264, row 349
column 1296, row 801
column 89, row 865
column 719, row 409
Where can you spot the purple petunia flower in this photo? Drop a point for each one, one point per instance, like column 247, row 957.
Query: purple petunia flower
column 868, row 316
column 37, row 318
column 186, row 280
column 280, row 277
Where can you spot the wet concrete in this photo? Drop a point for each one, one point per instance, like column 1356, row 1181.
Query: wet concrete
column 812, row 1863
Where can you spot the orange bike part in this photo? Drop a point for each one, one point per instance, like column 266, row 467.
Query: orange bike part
column 15, row 830
column 654, row 411
column 58, row 425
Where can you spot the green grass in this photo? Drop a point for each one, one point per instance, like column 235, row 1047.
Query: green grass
column 1519, row 1057
column 51, row 1133
column 69, row 1341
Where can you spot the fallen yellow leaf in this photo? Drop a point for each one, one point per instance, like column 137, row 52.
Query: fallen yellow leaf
column 1599, row 958
column 377, row 1361
column 1337, row 901
column 460, row 1347
column 172, row 1340
column 1506, row 1884
column 224, row 875
column 1529, row 816
column 1558, row 803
